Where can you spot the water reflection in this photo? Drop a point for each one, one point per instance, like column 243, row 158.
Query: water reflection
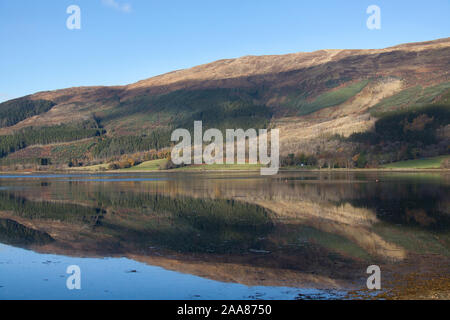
column 293, row 230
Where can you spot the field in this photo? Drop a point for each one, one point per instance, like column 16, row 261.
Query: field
column 151, row 165
column 429, row 163
column 154, row 165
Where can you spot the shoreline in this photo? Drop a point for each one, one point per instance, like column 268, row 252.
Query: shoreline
column 84, row 171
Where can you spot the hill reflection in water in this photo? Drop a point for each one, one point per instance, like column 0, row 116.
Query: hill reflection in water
column 305, row 230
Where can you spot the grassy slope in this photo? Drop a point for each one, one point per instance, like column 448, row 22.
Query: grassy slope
column 327, row 99
column 430, row 163
column 154, row 165
column 413, row 97
column 151, row 165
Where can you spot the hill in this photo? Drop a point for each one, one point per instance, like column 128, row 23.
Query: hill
column 319, row 101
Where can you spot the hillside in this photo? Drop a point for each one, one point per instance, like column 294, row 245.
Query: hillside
column 318, row 100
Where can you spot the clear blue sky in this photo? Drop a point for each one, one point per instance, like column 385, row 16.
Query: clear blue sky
column 120, row 46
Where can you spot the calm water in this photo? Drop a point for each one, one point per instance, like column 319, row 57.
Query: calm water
column 218, row 236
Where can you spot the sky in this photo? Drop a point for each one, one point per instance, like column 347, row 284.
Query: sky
column 124, row 41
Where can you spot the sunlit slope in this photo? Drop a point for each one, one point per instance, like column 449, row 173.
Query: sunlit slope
column 306, row 95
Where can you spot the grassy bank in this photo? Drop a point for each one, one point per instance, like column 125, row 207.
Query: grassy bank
column 428, row 163
column 152, row 165
column 155, row 165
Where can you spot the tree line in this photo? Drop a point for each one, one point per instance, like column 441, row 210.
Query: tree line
column 109, row 147
column 14, row 111
column 67, row 212
column 45, row 135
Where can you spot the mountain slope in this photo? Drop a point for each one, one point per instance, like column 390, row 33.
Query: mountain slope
column 309, row 96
